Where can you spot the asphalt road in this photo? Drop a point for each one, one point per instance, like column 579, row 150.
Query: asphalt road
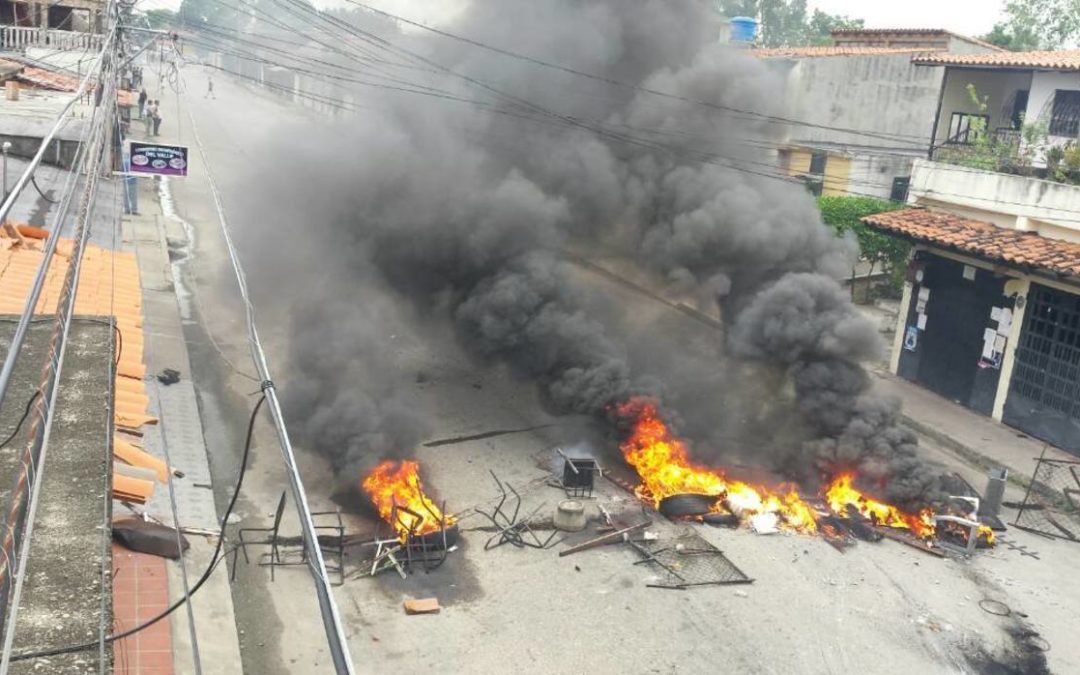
column 878, row 608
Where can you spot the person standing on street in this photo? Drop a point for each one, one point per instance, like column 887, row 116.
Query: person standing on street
column 210, row 88
column 148, row 117
column 157, row 117
column 142, row 102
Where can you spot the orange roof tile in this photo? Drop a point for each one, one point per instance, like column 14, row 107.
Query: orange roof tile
column 834, row 50
column 47, row 79
column 1066, row 59
column 981, row 239
column 109, row 284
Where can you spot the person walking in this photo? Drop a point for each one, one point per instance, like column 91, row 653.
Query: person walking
column 142, row 102
column 148, row 117
column 157, row 117
column 209, row 87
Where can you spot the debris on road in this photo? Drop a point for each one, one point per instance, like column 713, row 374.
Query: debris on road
column 146, row 537
column 604, row 539
column 422, row 606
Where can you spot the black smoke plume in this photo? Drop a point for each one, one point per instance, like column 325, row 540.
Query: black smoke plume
column 465, row 206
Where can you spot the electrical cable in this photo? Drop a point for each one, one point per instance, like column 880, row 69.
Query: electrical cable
column 27, row 489
column 33, row 181
column 337, row 641
column 873, row 185
column 215, row 559
column 26, row 413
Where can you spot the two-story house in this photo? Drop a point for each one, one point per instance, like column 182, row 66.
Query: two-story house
column 990, row 316
column 865, row 111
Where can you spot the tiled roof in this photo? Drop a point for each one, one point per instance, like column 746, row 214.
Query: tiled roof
column 1065, row 59
column 109, row 284
column 47, row 79
column 981, row 239
column 836, row 50
column 53, row 81
column 877, row 32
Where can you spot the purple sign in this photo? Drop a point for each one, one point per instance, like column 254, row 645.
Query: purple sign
column 158, row 160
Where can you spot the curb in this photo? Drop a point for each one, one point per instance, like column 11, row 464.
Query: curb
column 969, row 454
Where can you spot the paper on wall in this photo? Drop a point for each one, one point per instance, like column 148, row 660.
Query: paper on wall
column 969, row 272
column 995, row 314
column 922, row 322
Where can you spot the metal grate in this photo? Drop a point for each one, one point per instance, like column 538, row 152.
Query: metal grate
column 689, row 560
column 1047, row 368
column 1052, row 503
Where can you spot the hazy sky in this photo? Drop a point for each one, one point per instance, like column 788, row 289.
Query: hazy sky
column 969, row 17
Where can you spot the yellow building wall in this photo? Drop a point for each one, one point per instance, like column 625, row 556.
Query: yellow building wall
column 837, row 171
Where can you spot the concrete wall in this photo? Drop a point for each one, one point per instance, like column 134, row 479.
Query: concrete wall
column 1016, row 202
column 872, row 175
column 884, row 94
column 998, row 86
column 837, row 170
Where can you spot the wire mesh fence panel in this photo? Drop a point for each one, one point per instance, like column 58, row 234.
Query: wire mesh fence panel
column 1052, row 504
column 689, row 560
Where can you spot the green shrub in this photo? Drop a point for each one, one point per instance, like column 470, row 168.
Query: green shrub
column 844, row 214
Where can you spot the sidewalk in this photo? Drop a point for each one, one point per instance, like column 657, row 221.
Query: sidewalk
column 980, row 440
column 151, row 233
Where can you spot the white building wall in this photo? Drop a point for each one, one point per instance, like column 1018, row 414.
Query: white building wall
column 872, row 174
column 1041, row 99
column 999, row 87
column 1015, row 202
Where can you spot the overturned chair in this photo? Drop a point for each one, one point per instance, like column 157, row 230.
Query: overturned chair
column 333, row 542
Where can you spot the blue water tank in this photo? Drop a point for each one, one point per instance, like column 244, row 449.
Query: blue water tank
column 743, row 29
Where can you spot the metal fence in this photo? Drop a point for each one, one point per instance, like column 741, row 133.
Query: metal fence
column 1052, row 504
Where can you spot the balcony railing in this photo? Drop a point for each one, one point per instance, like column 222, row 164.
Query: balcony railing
column 1010, row 151
column 19, row 38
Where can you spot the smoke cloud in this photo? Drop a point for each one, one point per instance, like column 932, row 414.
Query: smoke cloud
column 465, row 209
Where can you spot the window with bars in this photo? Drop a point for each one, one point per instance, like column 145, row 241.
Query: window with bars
column 1065, row 115
column 965, row 128
column 1047, row 370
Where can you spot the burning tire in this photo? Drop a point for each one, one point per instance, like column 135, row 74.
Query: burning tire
column 686, row 506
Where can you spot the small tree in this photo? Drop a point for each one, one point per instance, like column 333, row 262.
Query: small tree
column 844, row 214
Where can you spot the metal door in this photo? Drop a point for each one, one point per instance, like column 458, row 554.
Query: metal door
column 1044, row 393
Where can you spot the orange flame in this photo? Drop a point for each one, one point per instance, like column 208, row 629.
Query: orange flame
column 664, row 466
column 840, row 494
column 398, row 484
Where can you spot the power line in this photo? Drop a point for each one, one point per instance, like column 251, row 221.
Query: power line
column 27, row 488
column 335, row 633
column 627, row 85
column 215, row 560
